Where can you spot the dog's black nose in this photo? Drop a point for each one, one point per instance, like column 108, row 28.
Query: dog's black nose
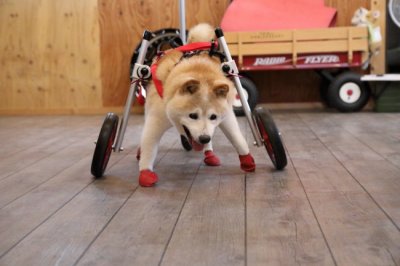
column 204, row 139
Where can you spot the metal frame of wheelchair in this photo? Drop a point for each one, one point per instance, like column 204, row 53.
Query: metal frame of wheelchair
column 261, row 123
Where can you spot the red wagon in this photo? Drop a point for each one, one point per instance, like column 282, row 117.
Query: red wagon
column 341, row 48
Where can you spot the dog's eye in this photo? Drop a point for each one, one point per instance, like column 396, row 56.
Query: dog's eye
column 194, row 116
column 213, row 117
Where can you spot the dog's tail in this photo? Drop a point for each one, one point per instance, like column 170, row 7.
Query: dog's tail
column 202, row 32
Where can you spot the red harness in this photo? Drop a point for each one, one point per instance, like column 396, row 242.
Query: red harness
column 198, row 46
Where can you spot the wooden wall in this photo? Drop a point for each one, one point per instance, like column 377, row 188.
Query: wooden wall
column 73, row 56
column 49, row 56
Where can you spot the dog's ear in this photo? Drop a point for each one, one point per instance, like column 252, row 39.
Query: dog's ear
column 221, row 90
column 191, row 86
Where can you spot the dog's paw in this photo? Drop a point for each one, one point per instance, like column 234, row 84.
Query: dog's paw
column 147, row 178
column 211, row 159
column 247, row 163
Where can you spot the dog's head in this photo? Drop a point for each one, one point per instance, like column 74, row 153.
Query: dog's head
column 198, row 96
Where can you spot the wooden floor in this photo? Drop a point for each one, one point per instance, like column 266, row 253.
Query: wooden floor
column 336, row 203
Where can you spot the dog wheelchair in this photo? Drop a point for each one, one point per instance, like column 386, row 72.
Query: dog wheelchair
column 112, row 132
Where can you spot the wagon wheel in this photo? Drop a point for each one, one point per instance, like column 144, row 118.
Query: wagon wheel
column 271, row 137
column 347, row 93
column 104, row 145
column 251, row 94
column 323, row 92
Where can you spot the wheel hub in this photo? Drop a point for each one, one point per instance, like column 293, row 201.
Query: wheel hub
column 350, row 92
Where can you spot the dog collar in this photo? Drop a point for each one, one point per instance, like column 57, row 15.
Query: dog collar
column 185, row 49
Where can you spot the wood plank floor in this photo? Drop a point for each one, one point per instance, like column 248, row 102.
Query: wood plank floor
column 336, row 203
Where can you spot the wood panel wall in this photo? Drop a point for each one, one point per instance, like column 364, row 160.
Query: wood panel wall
column 49, row 56
column 73, row 56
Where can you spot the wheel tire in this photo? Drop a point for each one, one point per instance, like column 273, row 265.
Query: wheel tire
column 185, row 143
column 251, row 94
column 271, row 137
column 323, row 92
column 347, row 93
column 159, row 42
column 104, row 145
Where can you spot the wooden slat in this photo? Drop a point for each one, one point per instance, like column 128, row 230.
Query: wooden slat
column 23, row 172
column 21, row 182
column 14, row 138
column 301, row 47
column 94, row 206
column 69, row 110
column 139, row 233
column 260, row 36
column 331, row 46
column 71, row 229
column 281, row 227
column 44, row 143
column 367, row 155
column 260, row 49
column 211, row 227
column 351, row 221
column 339, row 33
column 384, row 142
column 25, row 214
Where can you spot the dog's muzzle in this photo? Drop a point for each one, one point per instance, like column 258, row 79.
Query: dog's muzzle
column 203, row 139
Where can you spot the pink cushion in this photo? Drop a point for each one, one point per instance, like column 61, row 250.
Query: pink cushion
column 245, row 15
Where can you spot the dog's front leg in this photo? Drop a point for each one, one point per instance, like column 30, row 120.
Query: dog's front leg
column 154, row 127
column 231, row 129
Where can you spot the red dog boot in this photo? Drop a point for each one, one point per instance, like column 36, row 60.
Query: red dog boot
column 211, row 159
column 147, row 178
column 247, row 163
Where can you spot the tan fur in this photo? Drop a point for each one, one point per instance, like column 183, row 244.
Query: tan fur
column 202, row 32
column 202, row 68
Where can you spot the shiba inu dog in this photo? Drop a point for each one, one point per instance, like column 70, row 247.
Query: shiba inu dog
column 192, row 94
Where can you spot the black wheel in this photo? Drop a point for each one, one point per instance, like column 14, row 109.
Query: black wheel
column 251, row 94
column 161, row 41
column 271, row 137
column 347, row 93
column 185, row 143
column 104, row 145
column 323, row 92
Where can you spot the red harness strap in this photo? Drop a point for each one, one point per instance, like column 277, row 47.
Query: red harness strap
column 184, row 49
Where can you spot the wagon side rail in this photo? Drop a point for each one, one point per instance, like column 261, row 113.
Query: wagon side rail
column 294, row 43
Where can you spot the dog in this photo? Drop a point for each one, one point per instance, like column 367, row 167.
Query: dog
column 196, row 98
